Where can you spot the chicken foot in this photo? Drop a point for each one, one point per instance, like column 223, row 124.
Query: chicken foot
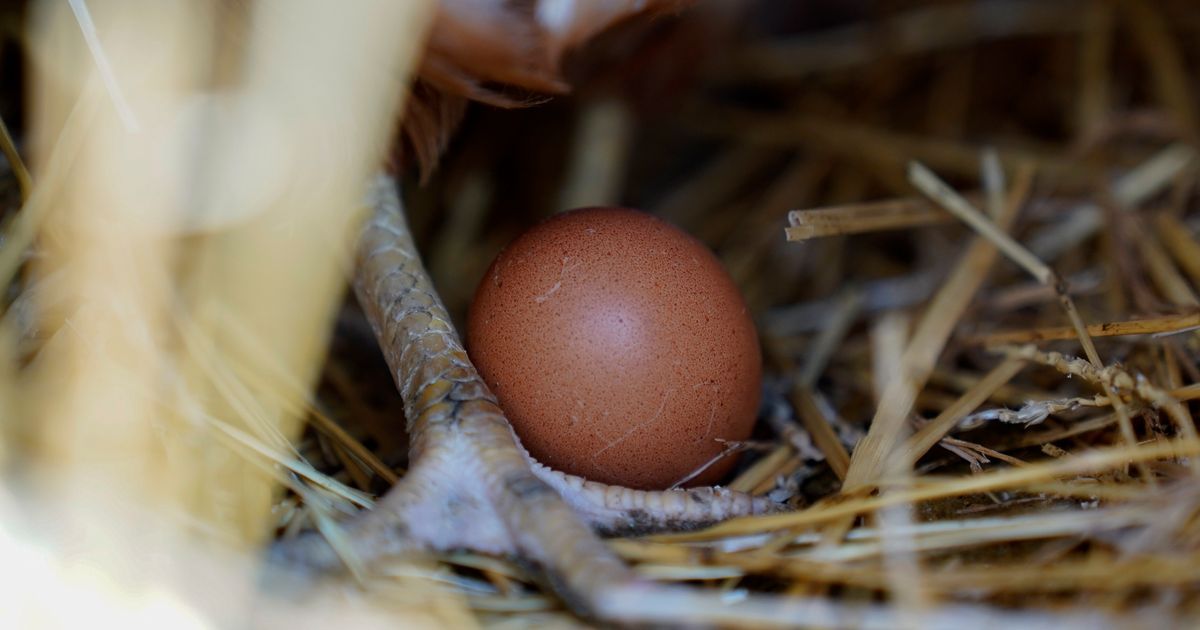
column 471, row 485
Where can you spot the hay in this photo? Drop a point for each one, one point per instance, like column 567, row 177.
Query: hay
column 968, row 230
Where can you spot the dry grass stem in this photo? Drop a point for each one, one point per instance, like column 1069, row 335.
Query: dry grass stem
column 1164, row 325
column 860, row 218
column 926, row 345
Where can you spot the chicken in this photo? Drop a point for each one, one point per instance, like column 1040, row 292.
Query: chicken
column 471, row 484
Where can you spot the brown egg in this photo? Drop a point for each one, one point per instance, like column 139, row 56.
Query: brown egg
column 618, row 347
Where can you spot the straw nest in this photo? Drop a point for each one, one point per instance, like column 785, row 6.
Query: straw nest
column 968, row 232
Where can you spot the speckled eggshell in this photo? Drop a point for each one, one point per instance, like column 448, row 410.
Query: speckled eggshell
column 619, row 348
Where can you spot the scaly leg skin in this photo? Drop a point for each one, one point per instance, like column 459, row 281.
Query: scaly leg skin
column 471, row 485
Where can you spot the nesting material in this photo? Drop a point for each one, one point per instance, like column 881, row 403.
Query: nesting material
column 968, row 232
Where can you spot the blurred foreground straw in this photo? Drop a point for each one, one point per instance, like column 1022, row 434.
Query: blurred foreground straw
column 198, row 171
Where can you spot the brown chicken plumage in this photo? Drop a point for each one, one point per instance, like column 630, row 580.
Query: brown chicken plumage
column 505, row 53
